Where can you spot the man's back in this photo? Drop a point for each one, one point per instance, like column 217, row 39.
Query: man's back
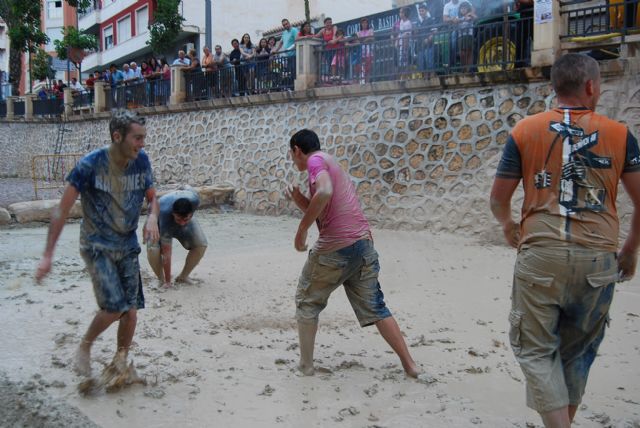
column 570, row 161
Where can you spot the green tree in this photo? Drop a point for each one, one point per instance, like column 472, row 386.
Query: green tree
column 41, row 65
column 23, row 24
column 166, row 26
column 74, row 45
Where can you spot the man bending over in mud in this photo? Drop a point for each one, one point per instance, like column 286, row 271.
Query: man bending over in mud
column 113, row 182
column 176, row 221
column 342, row 255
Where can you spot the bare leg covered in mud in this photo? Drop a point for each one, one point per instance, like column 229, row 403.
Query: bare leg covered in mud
column 390, row 331
column 387, row 327
column 100, row 323
column 193, row 258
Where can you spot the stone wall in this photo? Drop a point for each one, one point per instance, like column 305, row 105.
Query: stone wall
column 421, row 159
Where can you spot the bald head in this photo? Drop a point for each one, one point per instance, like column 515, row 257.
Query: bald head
column 571, row 72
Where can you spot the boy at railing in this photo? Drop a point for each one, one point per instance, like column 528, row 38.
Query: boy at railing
column 465, row 35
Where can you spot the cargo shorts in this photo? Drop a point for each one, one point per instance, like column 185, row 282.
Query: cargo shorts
column 560, row 308
column 356, row 267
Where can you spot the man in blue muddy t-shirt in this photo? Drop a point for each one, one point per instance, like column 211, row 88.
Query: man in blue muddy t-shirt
column 113, row 182
column 176, row 221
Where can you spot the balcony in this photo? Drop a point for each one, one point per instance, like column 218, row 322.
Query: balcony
column 90, row 20
column 124, row 51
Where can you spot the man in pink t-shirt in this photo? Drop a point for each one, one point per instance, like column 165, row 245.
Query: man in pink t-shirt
column 342, row 255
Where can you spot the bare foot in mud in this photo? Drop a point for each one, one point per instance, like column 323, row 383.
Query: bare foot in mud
column 82, row 361
column 412, row 370
column 306, row 370
column 183, row 280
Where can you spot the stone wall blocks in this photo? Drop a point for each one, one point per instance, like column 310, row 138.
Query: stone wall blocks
column 440, row 106
column 455, row 109
column 440, row 123
column 487, row 102
column 513, row 118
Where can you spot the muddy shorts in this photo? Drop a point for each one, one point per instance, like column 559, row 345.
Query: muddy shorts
column 560, row 307
column 190, row 235
column 356, row 267
column 116, row 278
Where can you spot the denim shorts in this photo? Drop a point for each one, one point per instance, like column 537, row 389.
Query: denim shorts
column 356, row 267
column 116, row 278
column 560, row 308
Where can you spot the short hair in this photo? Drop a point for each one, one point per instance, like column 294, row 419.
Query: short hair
column 121, row 122
column 571, row 72
column 218, row 46
column 327, row 19
column 183, row 207
column 284, row 20
column 235, row 40
column 306, row 140
column 113, row 66
column 424, row 6
column 132, row 63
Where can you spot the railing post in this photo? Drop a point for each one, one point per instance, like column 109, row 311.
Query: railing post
column 178, row 85
column 99, row 97
column 546, row 37
column 68, row 101
column 306, row 64
column 28, row 106
column 10, row 109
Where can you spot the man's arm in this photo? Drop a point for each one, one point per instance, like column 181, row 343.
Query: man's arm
column 293, row 193
column 501, row 194
column 58, row 218
column 324, row 191
column 628, row 255
column 151, row 232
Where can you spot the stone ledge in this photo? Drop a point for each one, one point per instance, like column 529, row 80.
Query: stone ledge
column 32, row 211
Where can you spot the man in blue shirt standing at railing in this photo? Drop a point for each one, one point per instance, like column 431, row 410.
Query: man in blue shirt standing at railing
column 287, row 45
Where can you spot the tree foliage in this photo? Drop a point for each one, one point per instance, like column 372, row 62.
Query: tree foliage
column 166, row 26
column 76, row 40
column 41, row 65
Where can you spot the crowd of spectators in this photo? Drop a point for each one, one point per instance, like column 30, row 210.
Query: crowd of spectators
column 425, row 38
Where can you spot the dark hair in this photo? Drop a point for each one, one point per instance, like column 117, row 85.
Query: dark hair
column 306, row 140
column 248, row 45
column 235, row 40
column 327, row 19
column 121, row 121
column 113, row 65
column 284, row 20
column 571, row 72
column 217, row 46
column 183, row 207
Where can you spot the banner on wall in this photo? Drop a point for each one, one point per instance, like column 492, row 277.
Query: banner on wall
column 542, row 11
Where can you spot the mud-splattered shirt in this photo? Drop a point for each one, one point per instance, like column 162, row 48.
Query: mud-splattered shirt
column 111, row 199
column 342, row 221
column 168, row 227
column 570, row 161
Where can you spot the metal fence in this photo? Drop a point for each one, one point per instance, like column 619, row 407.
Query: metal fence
column 143, row 93
column 3, row 108
column 18, row 108
column 5, row 90
column 82, row 100
column 52, row 107
column 499, row 42
column 615, row 18
column 276, row 73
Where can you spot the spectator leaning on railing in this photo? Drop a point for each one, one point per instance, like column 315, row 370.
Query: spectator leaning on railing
column 182, row 59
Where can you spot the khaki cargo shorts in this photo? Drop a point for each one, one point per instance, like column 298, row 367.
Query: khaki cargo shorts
column 560, row 307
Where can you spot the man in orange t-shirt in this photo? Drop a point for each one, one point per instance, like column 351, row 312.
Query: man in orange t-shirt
column 570, row 160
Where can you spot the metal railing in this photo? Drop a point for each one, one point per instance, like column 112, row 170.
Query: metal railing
column 3, row 108
column 52, row 107
column 143, row 93
column 500, row 42
column 82, row 100
column 18, row 108
column 276, row 73
column 615, row 18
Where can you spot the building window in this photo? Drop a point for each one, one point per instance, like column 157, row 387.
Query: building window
column 54, row 33
column 142, row 20
column 107, row 36
column 54, row 9
column 124, row 29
